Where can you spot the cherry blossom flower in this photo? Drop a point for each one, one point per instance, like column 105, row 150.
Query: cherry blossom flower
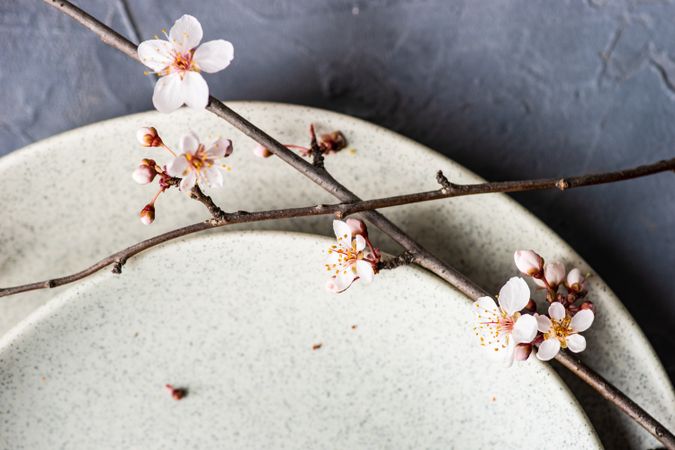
column 195, row 164
column 353, row 257
column 501, row 327
column 560, row 330
column 179, row 61
column 528, row 262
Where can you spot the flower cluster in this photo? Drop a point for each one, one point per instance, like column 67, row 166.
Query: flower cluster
column 179, row 61
column 327, row 144
column 192, row 165
column 353, row 257
column 510, row 329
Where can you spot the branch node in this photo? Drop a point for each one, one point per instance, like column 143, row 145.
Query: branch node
column 117, row 265
column 562, row 184
column 50, row 284
column 403, row 259
column 446, row 185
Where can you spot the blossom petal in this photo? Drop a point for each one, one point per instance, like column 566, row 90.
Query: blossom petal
column 213, row 56
column 582, row 320
column 186, row 33
column 360, row 243
column 486, row 307
column 188, row 143
column 177, row 167
column 522, row 352
column 365, row 271
column 543, row 323
column 548, row 349
column 195, row 89
column 344, row 279
column 156, row 54
column 168, row 95
column 214, row 176
column 525, row 329
column 219, row 149
column 514, row 295
column 188, row 182
column 342, row 232
column 576, row 343
column 557, row 311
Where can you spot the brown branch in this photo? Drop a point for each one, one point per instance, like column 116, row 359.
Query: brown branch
column 197, row 194
column 422, row 256
column 403, row 259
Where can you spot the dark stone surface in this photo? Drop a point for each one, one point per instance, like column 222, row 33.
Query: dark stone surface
column 510, row 89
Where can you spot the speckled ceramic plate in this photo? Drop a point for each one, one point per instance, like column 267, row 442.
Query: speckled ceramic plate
column 240, row 329
column 51, row 228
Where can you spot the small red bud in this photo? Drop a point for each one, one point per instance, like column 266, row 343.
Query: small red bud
column 587, row 305
column 333, row 142
column 531, row 306
column 177, row 393
column 147, row 214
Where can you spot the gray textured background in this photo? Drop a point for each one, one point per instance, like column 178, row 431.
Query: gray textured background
column 510, row 89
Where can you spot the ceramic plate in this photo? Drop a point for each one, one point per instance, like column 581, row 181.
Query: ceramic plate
column 69, row 200
column 237, row 319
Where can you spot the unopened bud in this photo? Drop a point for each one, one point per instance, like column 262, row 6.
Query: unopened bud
column 148, row 137
column 145, row 172
column 554, row 273
column 334, row 142
column 528, row 262
column 261, row 152
column 357, row 227
column 587, row 305
column 575, row 280
column 147, row 214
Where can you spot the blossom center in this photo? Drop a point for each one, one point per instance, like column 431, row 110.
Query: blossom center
column 183, row 62
column 198, row 159
column 560, row 330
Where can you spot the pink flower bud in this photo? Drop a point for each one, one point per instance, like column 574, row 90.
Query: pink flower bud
column 554, row 273
column 575, row 280
column 148, row 137
column 148, row 214
column 145, row 172
column 262, row 152
column 358, row 227
column 528, row 262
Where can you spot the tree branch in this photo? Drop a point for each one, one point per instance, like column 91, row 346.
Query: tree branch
column 423, row 257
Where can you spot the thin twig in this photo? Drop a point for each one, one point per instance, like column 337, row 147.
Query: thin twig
column 317, row 151
column 422, row 256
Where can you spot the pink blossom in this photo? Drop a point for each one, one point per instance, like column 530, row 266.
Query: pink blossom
column 528, row 262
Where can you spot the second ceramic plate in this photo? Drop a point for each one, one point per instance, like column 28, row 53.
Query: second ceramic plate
column 69, row 200
column 269, row 359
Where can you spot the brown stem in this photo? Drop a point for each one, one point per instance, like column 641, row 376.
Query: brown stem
column 197, row 194
column 422, row 256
